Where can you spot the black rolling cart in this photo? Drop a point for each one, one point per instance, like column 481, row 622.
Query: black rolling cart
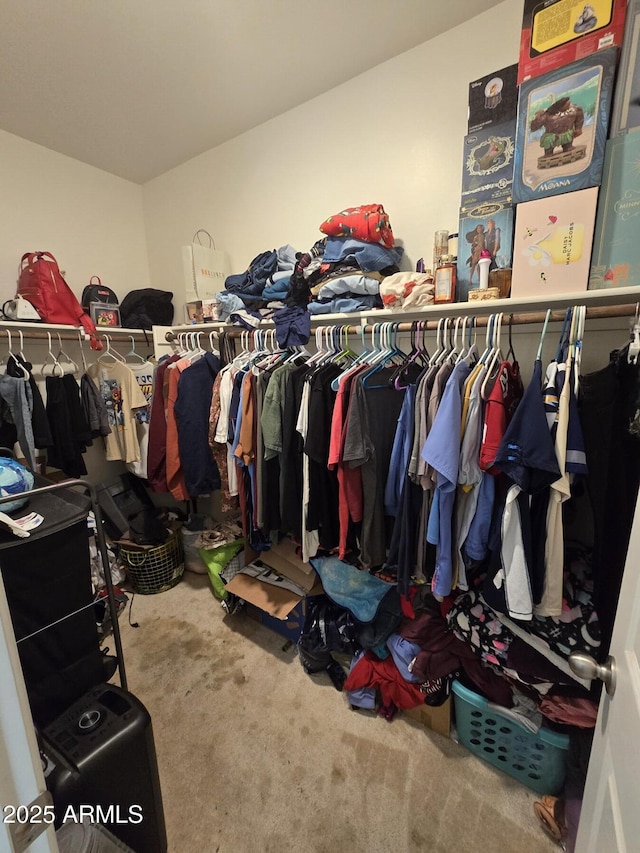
column 96, row 738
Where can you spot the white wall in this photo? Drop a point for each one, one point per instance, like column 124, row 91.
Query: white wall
column 392, row 135
column 91, row 221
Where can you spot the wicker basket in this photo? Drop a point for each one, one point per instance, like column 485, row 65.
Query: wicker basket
column 152, row 570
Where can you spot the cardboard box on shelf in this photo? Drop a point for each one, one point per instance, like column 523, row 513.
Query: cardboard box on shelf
column 552, row 244
column 487, row 165
column 563, row 119
column 274, row 603
column 615, row 261
column 493, row 99
column 626, row 102
column 557, row 32
column 487, row 226
column 437, row 718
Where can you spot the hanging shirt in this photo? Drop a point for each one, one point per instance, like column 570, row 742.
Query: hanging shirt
column 349, row 478
column 122, row 397
column 322, row 512
column 157, row 449
column 368, row 443
column 41, row 432
column 175, row 477
column 15, row 411
column 192, row 408
column 400, row 453
column 310, row 538
column 551, row 603
column 68, row 424
column 501, row 404
column 528, row 459
column 143, row 374
column 442, row 451
column 221, row 435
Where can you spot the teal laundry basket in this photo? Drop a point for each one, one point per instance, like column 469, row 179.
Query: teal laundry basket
column 536, row 760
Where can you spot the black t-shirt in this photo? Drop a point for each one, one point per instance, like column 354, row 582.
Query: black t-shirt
column 322, row 513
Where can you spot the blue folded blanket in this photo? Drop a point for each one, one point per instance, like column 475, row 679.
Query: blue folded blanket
column 357, row 591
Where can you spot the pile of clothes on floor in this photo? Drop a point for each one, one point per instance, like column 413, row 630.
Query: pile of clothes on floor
column 354, row 267
column 407, row 649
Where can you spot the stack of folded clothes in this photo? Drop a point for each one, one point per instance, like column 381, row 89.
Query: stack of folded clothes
column 343, row 271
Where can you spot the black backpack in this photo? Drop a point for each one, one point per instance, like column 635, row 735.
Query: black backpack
column 142, row 309
column 97, row 293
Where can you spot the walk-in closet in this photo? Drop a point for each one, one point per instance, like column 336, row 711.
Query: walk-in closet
column 319, row 426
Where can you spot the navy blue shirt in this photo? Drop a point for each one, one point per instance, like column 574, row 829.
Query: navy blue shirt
column 192, row 408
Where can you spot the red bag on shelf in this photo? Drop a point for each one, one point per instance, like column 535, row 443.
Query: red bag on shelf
column 41, row 283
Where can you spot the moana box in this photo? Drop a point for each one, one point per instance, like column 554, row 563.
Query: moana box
column 615, row 261
column 552, row 244
column 487, row 226
column 563, row 119
column 558, row 32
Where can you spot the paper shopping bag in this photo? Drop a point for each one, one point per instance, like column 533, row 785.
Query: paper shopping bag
column 204, row 268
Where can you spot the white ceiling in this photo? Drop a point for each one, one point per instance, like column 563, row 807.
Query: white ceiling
column 136, row 87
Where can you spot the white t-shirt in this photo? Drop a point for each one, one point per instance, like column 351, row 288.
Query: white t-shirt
column 122, row 397
column 143, row 373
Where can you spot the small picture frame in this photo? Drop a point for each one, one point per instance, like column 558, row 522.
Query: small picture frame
column 104, row 315
column 193, row 312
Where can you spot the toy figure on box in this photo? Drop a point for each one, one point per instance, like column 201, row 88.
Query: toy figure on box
column 562, row 122
column 482, row 240
column 492, row 241
column 587, row 20
column 477, row 240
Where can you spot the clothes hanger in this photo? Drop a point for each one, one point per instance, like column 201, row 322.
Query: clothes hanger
column 542, row 335
column 447, row 342
column 5, row 361
column 496, row 357
column 634, row 347
column 563, row 342
column 488, row 339
column 511, row 351
column 455, row 350
column 387, row 354
column 55, row 365
column 62, row 357
column 413, row 358
column 358, row 361
column 84, row 360
column 133, row 353
column 197, row 350
column 118, row 359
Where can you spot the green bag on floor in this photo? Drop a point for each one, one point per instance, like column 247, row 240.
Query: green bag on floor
column 216, row 560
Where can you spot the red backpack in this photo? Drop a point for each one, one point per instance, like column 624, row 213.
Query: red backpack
column 42, row 284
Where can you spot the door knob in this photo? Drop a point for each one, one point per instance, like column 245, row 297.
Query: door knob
column 587, row 667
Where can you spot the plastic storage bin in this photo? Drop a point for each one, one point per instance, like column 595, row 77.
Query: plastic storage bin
column 536, row 760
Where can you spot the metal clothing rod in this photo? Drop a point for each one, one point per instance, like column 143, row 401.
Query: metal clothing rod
column 521, row 318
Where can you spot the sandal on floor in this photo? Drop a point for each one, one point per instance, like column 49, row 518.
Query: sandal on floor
column 545, row 812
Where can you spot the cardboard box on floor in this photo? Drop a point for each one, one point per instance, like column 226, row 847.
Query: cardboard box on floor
column 438, row 718
column 279, row 609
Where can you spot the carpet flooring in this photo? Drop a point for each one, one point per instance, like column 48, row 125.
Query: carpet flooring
column 255, row 755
